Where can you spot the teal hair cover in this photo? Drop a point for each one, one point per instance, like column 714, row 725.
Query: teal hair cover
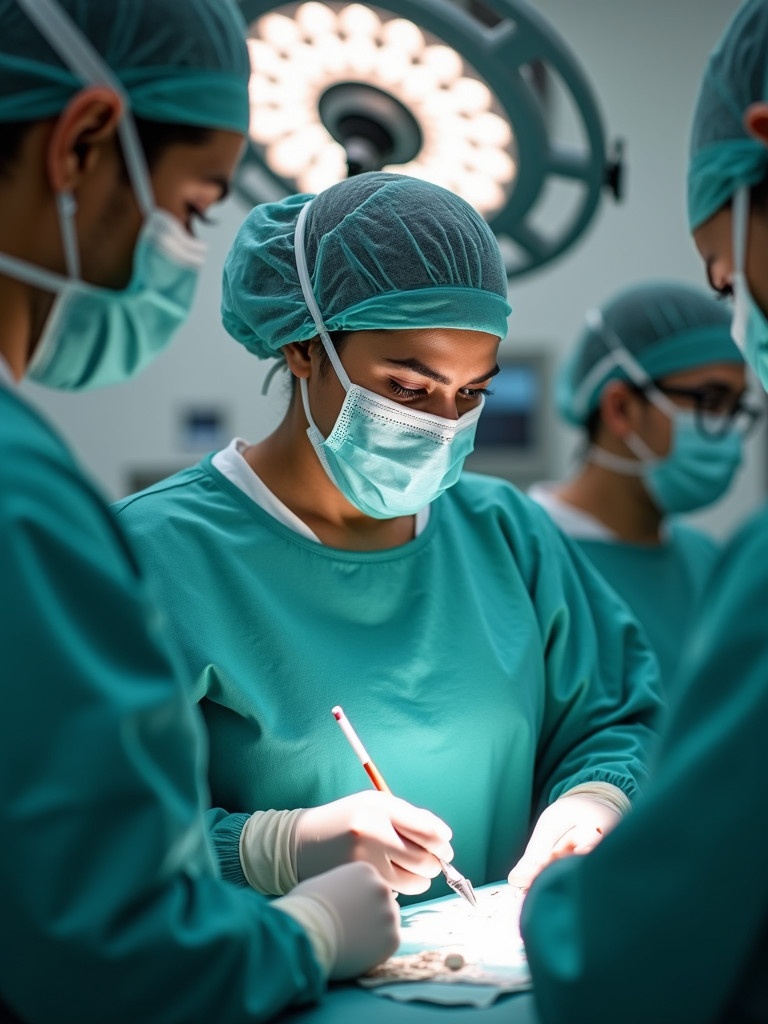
column 179, row 61
column 384, row 252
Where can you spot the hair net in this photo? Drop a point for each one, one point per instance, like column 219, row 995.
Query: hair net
column 179, row 61
column 384, row 252
column 723, row 155
column 666, row 327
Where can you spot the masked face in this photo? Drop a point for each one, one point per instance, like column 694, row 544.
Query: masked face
column 96, row 335
column 387, row 459
column 697, row 467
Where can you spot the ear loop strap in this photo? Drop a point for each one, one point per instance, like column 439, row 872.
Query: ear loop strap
column 636, row 373
column 77, row 53
column 740, row 215
column 309, row 296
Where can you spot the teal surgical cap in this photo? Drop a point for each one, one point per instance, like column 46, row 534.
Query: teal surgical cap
column 665, row 327
column 384, row 252
column 179, row 61
column 723, row 155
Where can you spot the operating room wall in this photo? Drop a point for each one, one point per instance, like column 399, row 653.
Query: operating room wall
column 644, row 62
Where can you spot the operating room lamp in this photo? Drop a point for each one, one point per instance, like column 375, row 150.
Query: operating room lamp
column 483, row 99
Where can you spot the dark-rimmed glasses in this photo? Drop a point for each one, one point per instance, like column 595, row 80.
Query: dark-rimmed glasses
column 716, row 410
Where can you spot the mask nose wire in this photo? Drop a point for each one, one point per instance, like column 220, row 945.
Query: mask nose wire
column 76, row 52
column 309, row 296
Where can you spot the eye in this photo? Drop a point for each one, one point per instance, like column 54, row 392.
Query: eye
column 475, row 392
column 409, row 394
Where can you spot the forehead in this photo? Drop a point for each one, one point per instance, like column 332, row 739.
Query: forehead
column 441, row 348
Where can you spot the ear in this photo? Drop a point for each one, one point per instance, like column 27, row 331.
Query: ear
column 297, row 356
column 617, row 406
column 756, row 121
column 90, row 118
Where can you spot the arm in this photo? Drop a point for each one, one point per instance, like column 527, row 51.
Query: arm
column 666, row 920
column 107, row 882
column 603, row 692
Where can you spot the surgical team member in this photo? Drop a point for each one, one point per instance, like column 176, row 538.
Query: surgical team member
column 345, row 559
column 667, row 920
column 120, row 123
column 657, row 385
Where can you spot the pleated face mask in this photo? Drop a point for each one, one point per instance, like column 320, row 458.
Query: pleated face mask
column 387, row 460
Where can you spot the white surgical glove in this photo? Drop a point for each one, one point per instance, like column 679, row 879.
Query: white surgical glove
column 351, row 917
column 574, row 823
column 278, row 849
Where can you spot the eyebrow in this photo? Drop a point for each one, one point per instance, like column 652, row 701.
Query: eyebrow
column 427, row 371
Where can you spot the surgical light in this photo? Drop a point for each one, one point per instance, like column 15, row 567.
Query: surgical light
column 430, row 89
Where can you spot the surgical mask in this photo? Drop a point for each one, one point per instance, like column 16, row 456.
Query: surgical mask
column 96, row 336
column 749, row 328
column 697, row 470
column 387, row 460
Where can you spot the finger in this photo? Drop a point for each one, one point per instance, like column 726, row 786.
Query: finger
column 403, row 853
column 421, row 827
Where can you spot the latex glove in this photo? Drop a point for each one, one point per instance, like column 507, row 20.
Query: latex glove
column 575, row 823
column 350, row 915
column 402, row 842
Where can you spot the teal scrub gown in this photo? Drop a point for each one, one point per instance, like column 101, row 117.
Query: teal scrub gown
column 661, row 584
column 485, row 665
column 111, row 905
column 667, row 920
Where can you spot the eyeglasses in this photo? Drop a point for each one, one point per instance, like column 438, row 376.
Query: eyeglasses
column 716, row 410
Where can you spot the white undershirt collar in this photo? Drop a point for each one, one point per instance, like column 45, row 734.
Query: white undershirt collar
column 231, row 464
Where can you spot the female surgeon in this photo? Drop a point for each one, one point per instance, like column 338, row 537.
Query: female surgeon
column 120, row 122
column 668, row 919
column 344, row 559
column 657, row 386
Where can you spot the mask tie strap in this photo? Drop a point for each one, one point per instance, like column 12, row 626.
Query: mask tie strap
column 77, row 53
column 636, row 373
column 740, row 212
column 309, row 296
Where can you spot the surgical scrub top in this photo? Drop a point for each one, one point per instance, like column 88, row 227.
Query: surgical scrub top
column 661, row 583
column 486, row 667
column 112, row 905
column 667, row 920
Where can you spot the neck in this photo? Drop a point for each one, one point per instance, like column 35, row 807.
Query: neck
column 619, row 502
column 288, row 465
column 15, row 325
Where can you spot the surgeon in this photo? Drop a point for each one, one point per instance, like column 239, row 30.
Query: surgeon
column 667, row 920
column 345, row 559
column 120, row 124
column 657, row 387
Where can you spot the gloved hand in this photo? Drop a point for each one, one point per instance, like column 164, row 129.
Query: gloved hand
column 402, row 842
column 575, row 823
column 350, row 915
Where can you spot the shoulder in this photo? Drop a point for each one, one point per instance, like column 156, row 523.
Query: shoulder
column 183, row 489
column 488, row 506
column 694, row 540
column 39, row 475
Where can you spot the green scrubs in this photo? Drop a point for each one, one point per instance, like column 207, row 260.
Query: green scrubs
column 660, row 583
column 667, row 920
column 486, row 669
column 112, row 907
